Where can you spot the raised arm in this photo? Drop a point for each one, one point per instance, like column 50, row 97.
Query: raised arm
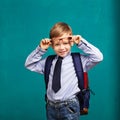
column 92, row 54
column 34, row 61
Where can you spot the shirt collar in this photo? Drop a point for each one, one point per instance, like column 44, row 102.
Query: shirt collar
column 65, row 56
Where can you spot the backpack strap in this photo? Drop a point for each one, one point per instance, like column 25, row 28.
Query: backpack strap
column 48, row 64
column 78, row 69
column 84, row 94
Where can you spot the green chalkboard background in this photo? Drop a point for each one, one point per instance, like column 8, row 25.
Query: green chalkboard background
column 23, row 23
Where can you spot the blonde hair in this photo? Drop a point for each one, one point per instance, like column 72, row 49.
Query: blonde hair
column 59, row 29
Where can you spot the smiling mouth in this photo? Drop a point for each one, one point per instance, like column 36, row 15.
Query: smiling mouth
column 62, row 52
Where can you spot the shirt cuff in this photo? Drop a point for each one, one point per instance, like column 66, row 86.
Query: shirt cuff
column 40, row 49
column 81, row 42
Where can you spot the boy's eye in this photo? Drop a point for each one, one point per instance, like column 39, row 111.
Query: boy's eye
column 65, row 43
column 57, row 44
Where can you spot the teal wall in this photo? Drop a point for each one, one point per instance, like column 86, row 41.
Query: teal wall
column 23, row 23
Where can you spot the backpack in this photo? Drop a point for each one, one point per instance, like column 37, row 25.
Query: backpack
column 84, row 94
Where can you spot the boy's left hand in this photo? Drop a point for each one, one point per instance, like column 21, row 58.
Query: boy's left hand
column 76, row 39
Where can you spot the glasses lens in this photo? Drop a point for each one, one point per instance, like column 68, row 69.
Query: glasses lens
column 69, row 38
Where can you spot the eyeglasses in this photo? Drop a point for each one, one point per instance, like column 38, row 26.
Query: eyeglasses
column 62, row 38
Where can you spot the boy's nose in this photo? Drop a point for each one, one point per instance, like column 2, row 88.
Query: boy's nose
column 61, row 46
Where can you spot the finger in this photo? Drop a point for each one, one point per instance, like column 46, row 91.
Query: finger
column 43, row 41
column 78, row 37
column 46, row 41
column 50, row 42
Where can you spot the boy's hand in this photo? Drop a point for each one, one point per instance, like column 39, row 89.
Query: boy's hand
column 45, row 43
column 76, row 39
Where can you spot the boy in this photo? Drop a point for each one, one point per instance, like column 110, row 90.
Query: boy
column 62, row 103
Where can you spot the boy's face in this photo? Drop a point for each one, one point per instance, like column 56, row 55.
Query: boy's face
column 62, row 45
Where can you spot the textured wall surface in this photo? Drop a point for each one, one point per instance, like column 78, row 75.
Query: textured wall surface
column 23, row 23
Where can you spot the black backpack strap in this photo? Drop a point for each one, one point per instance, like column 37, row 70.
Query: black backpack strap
column 78, row 69
column 48, row 64
column 84, row 94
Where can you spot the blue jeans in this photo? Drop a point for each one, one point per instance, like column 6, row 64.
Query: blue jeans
column 66, row 110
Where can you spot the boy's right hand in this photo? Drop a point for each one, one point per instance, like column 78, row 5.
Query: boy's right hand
column 45, row 43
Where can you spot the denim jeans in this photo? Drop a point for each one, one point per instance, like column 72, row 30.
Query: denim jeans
column 67, row 110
